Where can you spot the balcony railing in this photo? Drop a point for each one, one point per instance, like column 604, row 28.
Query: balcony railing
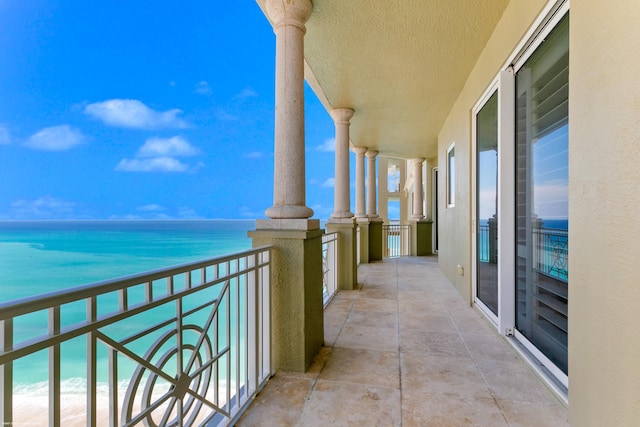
column 329, row 266
column 395, row 240
column 551, row 252
column 483, row 243
column 186, row 345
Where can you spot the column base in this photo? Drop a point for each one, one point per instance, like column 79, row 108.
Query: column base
column 363, row 223
column 421, row 238
column 288, row 224
column 341, row 215
column 296, row 291
column 375, row 239
column 289, row 212
column 347, row 251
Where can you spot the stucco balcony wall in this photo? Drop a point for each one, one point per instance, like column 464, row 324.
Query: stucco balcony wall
column 405, row 349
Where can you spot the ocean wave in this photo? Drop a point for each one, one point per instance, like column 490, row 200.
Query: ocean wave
column 78, row 386
column 67, row 386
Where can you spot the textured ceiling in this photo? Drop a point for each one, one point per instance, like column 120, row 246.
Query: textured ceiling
column 400, row 64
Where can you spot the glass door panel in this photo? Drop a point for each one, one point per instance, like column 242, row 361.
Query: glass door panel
column 487, row 204
column 542, row 148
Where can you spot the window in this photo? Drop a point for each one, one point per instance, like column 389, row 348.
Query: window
column 451, row 175
column 393, row 172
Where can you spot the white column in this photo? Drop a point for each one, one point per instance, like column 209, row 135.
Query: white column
column 341, row 204
column 288, row 19
column 371, row 183
column 360, row 206
column 418, row 209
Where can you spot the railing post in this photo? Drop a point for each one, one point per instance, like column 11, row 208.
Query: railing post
column 54, row 368
column 405, row 240
column 6, row 373
column 91, row 363
column 113, row 388
column 330, row 261
column 253, row 316
column 266, row 318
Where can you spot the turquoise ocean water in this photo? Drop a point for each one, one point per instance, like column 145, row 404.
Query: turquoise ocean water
column 37, row 257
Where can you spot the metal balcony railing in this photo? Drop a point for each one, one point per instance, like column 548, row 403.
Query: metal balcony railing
column 483, row 243
column 186, row 345
column 395, row 240
column 329, row 266
column 551, row 252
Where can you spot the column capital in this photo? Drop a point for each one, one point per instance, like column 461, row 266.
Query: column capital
column 359, row 151
column 418, row 160
column 289, row 12
column 341, row 115
column 371, row 153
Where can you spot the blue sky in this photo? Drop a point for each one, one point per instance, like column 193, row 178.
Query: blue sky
column 144, row 109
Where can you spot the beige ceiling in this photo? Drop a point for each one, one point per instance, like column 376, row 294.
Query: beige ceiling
column 400, row 64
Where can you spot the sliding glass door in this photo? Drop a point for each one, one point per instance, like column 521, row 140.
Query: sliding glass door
column 487, row 204
column 542, row 125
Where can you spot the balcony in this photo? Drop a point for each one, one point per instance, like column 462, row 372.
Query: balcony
column 405, row 349
column 186, row 345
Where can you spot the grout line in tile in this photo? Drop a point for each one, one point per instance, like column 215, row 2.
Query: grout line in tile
column 317, row 377
column 477, row 365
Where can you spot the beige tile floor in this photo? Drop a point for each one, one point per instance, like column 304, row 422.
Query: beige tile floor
column 406, row 350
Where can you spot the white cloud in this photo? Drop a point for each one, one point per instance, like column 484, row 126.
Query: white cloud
column 151, row 215
column 329, row 183
column 247, row 212
column 320, row 211
column 151, row 208
column 551, row 200
column 253, row 155
column 247, row 92
column 176, row 146
column 203, row 88
column 152, row 164
column 160, row 155
column 328, row 145
column 45, row 207
column 5, row 138
column 131, row 113
column 55, row 138
column 188, row 213
column 127, row 217
column 222, row 115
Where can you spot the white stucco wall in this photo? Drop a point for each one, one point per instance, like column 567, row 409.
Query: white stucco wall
column 604, row 212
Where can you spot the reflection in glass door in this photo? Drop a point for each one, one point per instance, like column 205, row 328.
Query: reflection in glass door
column 487, row 204
column 542, row 149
